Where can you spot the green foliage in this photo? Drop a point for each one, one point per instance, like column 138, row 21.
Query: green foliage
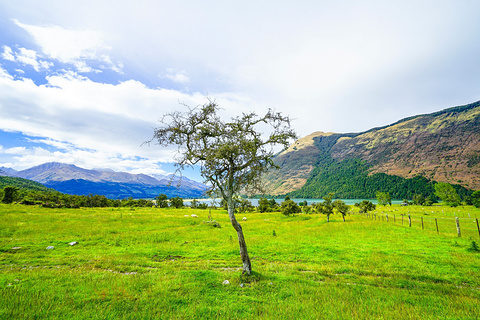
column 289, row 207
column 325, row 207
column 383, row 198
column 244, row 205
column 176, row 202
column 10, row 194
column 212, row 223
column 265, row 205
column 418, row 199
column 429, row 201
column 341, row 207
column 447, row 194
column 476, row 199
column 24, row 184
column 162, row 201
column 365, row 206
column 473, row 247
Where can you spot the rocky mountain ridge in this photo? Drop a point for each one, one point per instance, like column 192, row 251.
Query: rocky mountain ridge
column 442, row 146
column 70, row 179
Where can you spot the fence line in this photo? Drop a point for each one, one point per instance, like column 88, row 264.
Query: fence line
column 463, row 226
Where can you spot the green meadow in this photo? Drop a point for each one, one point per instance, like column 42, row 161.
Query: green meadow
column 150, row 263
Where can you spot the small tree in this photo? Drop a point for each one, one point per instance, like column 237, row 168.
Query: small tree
column 176, row 202
column 289, row 207
column 447, row 194
column 232, row 155
column 162, row 201
column 476, row 199
column 325, row 207
column 383, row 198
column 418, row 199
column 244, row 205
column 9, row 194
column 263, row 205
column 366, row 206
column 341, row 207
column 194, row 203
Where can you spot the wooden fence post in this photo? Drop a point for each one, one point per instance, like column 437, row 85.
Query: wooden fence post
column 458, row 226
column 402, row 218
column 436, row 223
column 422, row 222
column 478, row 227
column 409, row 221
column 394, row 218
column 386, row 216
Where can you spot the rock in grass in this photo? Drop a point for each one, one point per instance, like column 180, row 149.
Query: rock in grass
column 50, row 247
column 73, row 243
column 242, row 285
column 16, row 248
column 226, row 282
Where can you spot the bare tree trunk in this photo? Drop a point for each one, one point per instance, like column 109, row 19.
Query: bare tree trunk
column 247, row 265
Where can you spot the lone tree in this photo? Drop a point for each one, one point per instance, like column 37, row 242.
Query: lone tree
column 383, row 198
column 9, row 194
column 326, row 207
column 341, row 207
column 232, row 155
column 447, row 193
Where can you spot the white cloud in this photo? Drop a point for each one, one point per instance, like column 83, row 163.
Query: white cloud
column 4, row 73
column 14, row 150
column 333, row 66
column 75, row 47
column 177, row 76
column 26, row 57
column 29, row 57
column 90, row 159
column 94, row 124
column 8, row 53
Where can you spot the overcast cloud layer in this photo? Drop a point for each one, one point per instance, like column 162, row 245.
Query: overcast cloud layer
column 85, row 82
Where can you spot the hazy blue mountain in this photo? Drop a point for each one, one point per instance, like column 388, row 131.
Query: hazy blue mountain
column 70, row 179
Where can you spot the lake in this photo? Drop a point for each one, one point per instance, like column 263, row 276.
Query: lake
column 309, row 201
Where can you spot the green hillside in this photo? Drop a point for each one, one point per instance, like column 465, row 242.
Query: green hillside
column 350, row 179
column 22, row 184
column 405, row 158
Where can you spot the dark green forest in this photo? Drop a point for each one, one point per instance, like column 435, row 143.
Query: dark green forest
column 350, row 179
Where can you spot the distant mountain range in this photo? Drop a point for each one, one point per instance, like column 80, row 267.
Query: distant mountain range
column 70, row 179
column 403, row 158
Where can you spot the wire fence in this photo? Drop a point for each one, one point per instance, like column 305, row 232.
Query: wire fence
column 462, row 227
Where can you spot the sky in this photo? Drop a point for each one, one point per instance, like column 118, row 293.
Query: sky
column 85, row 82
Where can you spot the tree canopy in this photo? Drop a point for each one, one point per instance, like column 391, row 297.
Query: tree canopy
column 447, row 193
column 232, row 155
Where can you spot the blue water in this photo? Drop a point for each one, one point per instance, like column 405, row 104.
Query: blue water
column 309, row 201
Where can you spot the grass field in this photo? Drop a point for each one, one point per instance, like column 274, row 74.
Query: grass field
column 159, row 264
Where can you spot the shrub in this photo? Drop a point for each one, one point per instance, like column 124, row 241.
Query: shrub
column 289, row 207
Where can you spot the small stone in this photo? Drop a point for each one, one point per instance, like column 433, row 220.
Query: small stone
column 242, row 285
column 226, row 282
column 244, row 219
column 50, row 247
column 16, row 248
column 73, row 243
column 271, row 283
